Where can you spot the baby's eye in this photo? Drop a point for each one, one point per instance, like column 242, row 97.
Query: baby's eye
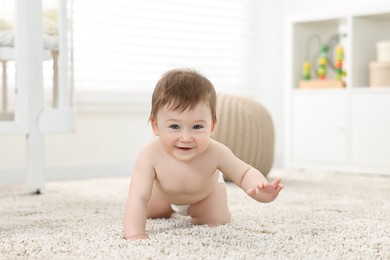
column 174, row 126
column 197, row 127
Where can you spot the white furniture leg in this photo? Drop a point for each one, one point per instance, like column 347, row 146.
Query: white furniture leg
column 28, row 56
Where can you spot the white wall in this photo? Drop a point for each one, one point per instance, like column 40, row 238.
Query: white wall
column 269, row 90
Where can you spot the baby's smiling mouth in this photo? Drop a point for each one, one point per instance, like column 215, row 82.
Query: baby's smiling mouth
column 184, row 148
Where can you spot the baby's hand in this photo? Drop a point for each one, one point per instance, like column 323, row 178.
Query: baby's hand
column 266, row 192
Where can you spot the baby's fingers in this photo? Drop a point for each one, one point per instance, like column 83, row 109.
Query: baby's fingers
column 276, row 182
column 260, row 185
column 279, row 187
column 251, row 192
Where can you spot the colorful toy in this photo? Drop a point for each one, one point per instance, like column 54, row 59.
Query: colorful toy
column 340, row 73
column 306, row 70
column 324, row 57
column 322, row 62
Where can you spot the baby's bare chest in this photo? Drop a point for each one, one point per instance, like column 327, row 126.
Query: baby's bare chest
column 181, row 177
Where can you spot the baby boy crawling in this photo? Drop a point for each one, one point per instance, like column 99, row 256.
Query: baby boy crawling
column 180, row 170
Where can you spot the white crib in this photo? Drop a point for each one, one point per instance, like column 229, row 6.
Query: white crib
column 31, row 118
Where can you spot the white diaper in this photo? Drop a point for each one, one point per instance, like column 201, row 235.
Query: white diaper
column 220, row 178
column 183, row 209
column 180, row 209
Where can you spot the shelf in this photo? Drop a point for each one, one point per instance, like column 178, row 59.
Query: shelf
column 321, row 84
column 367, row 30
column 305, row 46
column 328, row 125
column 363, row 32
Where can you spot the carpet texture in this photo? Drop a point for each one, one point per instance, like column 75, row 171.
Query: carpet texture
column 317, row 216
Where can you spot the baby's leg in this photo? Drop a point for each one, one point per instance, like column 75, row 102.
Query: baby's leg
column 213, row 210
column 157, row 207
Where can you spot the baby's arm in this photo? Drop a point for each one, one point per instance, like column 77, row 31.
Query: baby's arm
column 135, row 219
column 248, row 178
column 257, row 186
column 139, row 195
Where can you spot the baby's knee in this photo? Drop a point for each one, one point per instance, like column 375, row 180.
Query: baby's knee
column 213, row 219
column 225, row 219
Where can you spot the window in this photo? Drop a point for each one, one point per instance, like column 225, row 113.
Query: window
column 125, row 45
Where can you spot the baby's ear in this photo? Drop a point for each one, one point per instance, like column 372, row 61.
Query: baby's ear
column 154, row 126
column 213, row 124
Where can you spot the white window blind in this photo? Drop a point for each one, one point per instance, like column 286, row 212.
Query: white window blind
column 125, row 45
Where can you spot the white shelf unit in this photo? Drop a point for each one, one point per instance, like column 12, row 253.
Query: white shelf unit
column 345, row 129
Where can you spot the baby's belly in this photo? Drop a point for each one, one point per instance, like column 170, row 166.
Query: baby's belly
column 185, row 193
column 185, row 199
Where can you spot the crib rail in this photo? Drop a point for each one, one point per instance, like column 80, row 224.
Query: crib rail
column 58, row 118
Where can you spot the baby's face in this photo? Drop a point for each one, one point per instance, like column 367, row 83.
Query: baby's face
column 184, row 135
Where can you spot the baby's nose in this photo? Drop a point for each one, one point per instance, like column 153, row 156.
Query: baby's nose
column 186, row 136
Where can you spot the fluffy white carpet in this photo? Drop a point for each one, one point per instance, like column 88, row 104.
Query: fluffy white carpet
column 326, row 216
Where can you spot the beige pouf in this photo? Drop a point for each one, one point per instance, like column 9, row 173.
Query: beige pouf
column 246, row 127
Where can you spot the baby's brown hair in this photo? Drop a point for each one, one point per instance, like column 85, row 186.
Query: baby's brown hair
column 182, row 89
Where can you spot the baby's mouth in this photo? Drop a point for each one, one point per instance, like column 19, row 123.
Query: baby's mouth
column 184, row 148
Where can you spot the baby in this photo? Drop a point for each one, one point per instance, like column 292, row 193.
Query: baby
column 180, row 169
